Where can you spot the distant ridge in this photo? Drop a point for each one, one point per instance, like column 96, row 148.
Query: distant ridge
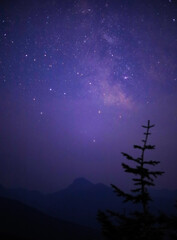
column 80, row 201
column 80, row 183
column 19, row 221
column 82, row 180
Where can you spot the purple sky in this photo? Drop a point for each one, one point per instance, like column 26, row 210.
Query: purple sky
column 77, row 81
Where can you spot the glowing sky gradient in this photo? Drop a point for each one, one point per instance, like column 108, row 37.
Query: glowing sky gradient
column 78, row 79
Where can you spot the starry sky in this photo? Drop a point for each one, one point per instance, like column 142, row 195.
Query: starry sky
column 77, row 81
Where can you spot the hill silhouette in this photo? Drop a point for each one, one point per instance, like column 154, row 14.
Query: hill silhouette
column 19, row 221
column 80, row 201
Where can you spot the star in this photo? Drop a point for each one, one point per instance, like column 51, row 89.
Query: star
column 85, row 72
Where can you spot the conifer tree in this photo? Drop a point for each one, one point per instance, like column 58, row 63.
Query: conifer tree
column 139, row 224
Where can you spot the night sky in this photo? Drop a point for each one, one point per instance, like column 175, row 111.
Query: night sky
column 77, row 81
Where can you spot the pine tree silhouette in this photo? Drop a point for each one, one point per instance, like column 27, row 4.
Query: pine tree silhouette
column 139, row 224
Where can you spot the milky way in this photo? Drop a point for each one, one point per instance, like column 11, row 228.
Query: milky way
column 78, row 79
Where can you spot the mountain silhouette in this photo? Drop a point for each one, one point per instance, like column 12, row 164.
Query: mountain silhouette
column 80, row 183
column 81, row 200
column 19, row 221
